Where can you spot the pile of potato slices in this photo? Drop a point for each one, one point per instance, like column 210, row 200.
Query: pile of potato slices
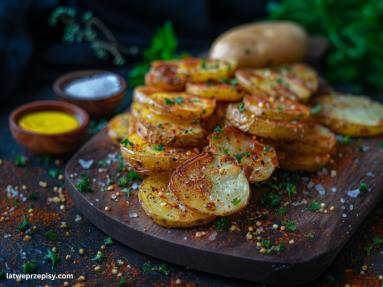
column 201, row 132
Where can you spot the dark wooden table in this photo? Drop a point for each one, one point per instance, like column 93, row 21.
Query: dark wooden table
column 359, row 264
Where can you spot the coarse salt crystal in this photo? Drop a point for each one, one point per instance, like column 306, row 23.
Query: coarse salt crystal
column 353, row 193
column 86, row 164
column 320, row 189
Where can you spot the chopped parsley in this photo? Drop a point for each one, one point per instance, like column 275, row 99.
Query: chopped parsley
column 265, row 243
column 218, row 129
column 281, row 211
column 51, row 235
column 222, row 223
column 29, row 266
column 96, row 126
column 316, row 109
column 291, row 189
column 377, row 241
column 129, row 178
column 266, row 148
column 3, row 275
column 169, row 102
column 239, row 156
column 226, row 151
column 108, row 241
column 126, row 142
column 162, row 268
column 311, row 235
column 362, row 186
column 53, row 172
column 123, row 282
column 83, row 185
column 344, row 139
column 203, row 64
column 270, row 199
column 290, row 225
column 23, row 225
column 158, row 147
column 20, row 160
column 127, row 190
column 381, row 144
column 314, row 206
column 53, row 257
column 235, row 201
column 279, row 247
column 99, row 256
column 179, row 100
column 241, row 107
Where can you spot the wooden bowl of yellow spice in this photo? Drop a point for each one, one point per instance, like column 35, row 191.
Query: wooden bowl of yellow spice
column 49, row 127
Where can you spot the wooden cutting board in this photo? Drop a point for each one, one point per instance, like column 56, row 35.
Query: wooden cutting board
column 230, row 253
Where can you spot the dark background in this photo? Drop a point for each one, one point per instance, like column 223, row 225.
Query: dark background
column 32, row 53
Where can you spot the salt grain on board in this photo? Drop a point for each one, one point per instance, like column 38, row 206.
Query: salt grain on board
column 85, row 164
column 318, row 187
column 353, row 193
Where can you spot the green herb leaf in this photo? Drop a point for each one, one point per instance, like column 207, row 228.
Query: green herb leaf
column 362, row 186
column 344, row 139
column 32, row 196
column 316, row 109
column 235, row 201
column 129, row 178
column 99, row 256
column 291, row 189
column 290, row 225
column 20, row 160
column 218, row 129
column 314, row 206
column 377, row 241
column 23, row 225
column 222, row 223
column 29, row 267
column 83, row 184
column 108, row 241
column 53, row 257
column 265, row 243
column 51, row 235
column 179, row 100
column 158, row 147
column 241, row 107
column 53, row 172
column 126, row 142
column 160, row 268
column 310, row 235
column 169, row 102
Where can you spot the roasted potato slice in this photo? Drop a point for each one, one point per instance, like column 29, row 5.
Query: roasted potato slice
column 163, row 207
column 147, row 158
column 219, row 91
column 301, row 162
column 296, row 81
column 164, row 75
column 176, row 105
column 257, row 160
column 350, row 115
column 244, row 120
column 120, row 127
column 201, row 70
column 157, row 129
column 281, row 109
column 211, row 184
column 316, row 139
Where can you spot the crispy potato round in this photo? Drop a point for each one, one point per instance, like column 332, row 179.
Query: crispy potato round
column 146, row 158
column 316, row 139
column 157, row 129
column 257, row 160
column 177, row 105
column 350, row 115
column 163, row 207
column 301, row 162
column 219, row 91
column 120, row 127
column 296, row 81
column 201, row 70
column 281, row 109
column 244, row 120
column 210, row 184
column 164, row 75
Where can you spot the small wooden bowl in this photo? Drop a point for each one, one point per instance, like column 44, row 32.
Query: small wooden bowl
column 53, row 144
column 97, row 108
